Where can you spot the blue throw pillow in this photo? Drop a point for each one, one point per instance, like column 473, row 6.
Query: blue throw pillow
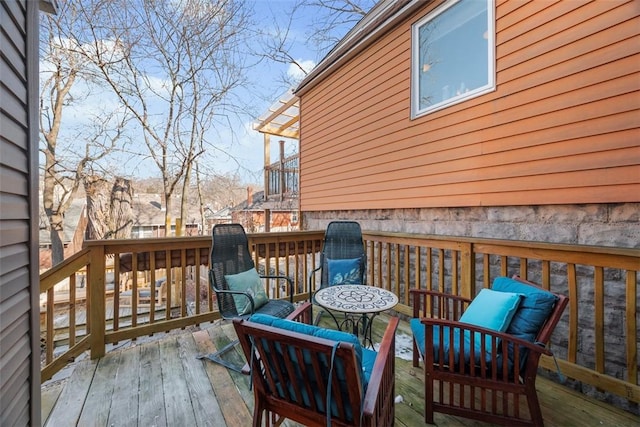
column 247, row 281
column 492, row 310
column 344, row 271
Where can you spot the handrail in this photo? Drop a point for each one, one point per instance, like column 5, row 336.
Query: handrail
column 601, row 282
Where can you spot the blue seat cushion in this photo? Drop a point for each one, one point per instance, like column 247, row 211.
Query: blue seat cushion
column 368, row 360
column 444, row 342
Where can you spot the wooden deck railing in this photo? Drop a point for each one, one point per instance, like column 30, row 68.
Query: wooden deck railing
column 596, row 342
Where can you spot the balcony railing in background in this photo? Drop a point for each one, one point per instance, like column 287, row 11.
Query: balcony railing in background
column 282, row 177
column 601, row 282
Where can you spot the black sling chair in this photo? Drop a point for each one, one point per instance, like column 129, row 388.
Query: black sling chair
column 342, row 241
column 230, row 256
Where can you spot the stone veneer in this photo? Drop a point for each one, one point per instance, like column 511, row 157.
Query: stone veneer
column 615, row 225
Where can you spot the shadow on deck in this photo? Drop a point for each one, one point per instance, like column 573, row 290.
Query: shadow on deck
column 162, row 383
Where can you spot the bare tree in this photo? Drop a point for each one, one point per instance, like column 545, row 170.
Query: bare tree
column 332, row 19
column 173, row 66
column 108, row 209
column 68, row 157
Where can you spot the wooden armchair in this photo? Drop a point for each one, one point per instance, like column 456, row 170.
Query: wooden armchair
column 292, row 363
column 480, row 373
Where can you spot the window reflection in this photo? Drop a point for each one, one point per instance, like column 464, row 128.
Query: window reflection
column 453, row 54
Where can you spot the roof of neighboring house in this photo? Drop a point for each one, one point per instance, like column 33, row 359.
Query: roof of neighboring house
column 148, row 210
column 71, row 219
column 380, row 19
column 224, row 213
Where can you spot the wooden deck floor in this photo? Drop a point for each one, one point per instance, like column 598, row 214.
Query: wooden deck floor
column 162, row 383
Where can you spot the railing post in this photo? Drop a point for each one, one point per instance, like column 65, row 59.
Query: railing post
column 282, row 177
column 97, row 295
column 467, row 270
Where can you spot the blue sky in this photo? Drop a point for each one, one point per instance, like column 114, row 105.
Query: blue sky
column 241, row 142
column 239, row 149
column 268, row 81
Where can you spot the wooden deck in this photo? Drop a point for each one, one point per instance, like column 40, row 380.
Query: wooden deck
column 161, row 382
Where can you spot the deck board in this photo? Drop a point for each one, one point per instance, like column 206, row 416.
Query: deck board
column 180, row 411
column 151, row 410
column 125, row 391
column 226, row 384
column 205, row 406
column 163, row 383
column 96, row 408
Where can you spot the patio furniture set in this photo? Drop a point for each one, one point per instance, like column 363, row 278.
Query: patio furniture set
column 480, row 357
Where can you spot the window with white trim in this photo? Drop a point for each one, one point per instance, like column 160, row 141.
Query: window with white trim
column 452, row 54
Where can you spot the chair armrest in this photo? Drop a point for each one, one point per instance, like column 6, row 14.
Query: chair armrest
column 383, row 373
column 289, row 284
column 302, row 313
column 311, row 274
column 245, row 293
column 498, row 342
column 437, row 305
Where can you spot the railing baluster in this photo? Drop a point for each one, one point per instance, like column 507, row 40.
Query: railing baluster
column 632, row 326
column 599, row 317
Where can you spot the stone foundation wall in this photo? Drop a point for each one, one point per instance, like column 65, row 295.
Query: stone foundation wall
column 615, row 225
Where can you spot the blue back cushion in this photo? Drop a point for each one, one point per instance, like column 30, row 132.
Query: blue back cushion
column 535, row 307
column 344, row 271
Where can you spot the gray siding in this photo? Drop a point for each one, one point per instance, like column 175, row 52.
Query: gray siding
column 19, row 287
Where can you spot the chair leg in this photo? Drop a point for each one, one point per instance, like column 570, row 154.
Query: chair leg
column 428, row 394
column 257, row 416
column 534, row 404
column 217, row 357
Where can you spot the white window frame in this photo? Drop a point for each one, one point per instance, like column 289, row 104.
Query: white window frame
column 415, row 66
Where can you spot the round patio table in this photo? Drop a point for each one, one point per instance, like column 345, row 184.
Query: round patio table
column 360, row 304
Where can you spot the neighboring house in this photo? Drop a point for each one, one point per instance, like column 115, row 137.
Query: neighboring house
column 19, row 221
column 148, row 211
column 75, row 226
column 505, row 119
column 223, row 216
column 259, row 215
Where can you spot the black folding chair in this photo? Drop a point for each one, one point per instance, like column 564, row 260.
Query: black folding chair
column 229, row 256
column 342, row 245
